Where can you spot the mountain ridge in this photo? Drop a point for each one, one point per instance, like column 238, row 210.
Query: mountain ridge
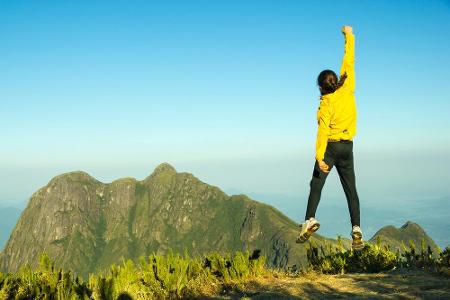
column 86, row 225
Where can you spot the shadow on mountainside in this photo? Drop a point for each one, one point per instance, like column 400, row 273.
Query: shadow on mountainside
column 397, row 284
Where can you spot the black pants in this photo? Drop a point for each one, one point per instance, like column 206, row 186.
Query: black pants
column 339, row 154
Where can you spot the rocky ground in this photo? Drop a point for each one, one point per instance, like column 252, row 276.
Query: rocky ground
column 390, row 285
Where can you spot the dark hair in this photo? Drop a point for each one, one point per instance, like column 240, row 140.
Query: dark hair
column 328, row 81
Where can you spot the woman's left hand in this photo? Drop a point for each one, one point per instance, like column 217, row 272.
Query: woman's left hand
column 323, row 166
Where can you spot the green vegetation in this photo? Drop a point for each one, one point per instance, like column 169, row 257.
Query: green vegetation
column 334, row 259
column 179, row 276
column 156, row 276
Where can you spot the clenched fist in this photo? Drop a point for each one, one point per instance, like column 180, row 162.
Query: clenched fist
column 347, row 29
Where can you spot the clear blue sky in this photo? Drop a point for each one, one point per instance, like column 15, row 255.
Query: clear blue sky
column 223, row 89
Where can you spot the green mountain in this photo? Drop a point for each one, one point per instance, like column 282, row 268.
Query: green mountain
column 86, row 225
column 410, row 231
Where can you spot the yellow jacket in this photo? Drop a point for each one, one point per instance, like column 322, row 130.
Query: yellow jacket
column 337, row 111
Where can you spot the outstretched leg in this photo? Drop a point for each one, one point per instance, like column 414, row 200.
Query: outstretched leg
column 311, row 225
column 346, row 173
column 316, row 185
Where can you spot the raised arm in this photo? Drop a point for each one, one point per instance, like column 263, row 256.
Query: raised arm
column 348, row 62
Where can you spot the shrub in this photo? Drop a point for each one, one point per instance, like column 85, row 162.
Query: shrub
column 370, row 259
column 158, row 276
column 373, row 258
column 411, row 258
column 443, row 262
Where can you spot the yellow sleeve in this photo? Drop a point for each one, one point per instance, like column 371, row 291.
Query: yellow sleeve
column 348, row 62
column 323, row 118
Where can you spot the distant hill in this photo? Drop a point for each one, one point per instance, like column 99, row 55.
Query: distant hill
column 410, row 231
column 86, row 225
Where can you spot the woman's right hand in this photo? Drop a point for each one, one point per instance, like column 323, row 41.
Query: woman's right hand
column 347, row 29
column 323, row 166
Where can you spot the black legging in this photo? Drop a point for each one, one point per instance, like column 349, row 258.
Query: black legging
column 339, row 154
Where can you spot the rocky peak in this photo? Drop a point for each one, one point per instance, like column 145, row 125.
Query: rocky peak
column 410, row 224
column 164, row 167
column 75, row 176
column 162, row 170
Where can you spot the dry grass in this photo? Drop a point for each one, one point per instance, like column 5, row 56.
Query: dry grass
column 389, row 285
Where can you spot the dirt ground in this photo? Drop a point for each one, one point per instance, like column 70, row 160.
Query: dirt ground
column 392, row 285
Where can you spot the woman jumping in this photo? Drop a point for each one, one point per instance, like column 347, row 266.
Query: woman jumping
column 334, row 147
